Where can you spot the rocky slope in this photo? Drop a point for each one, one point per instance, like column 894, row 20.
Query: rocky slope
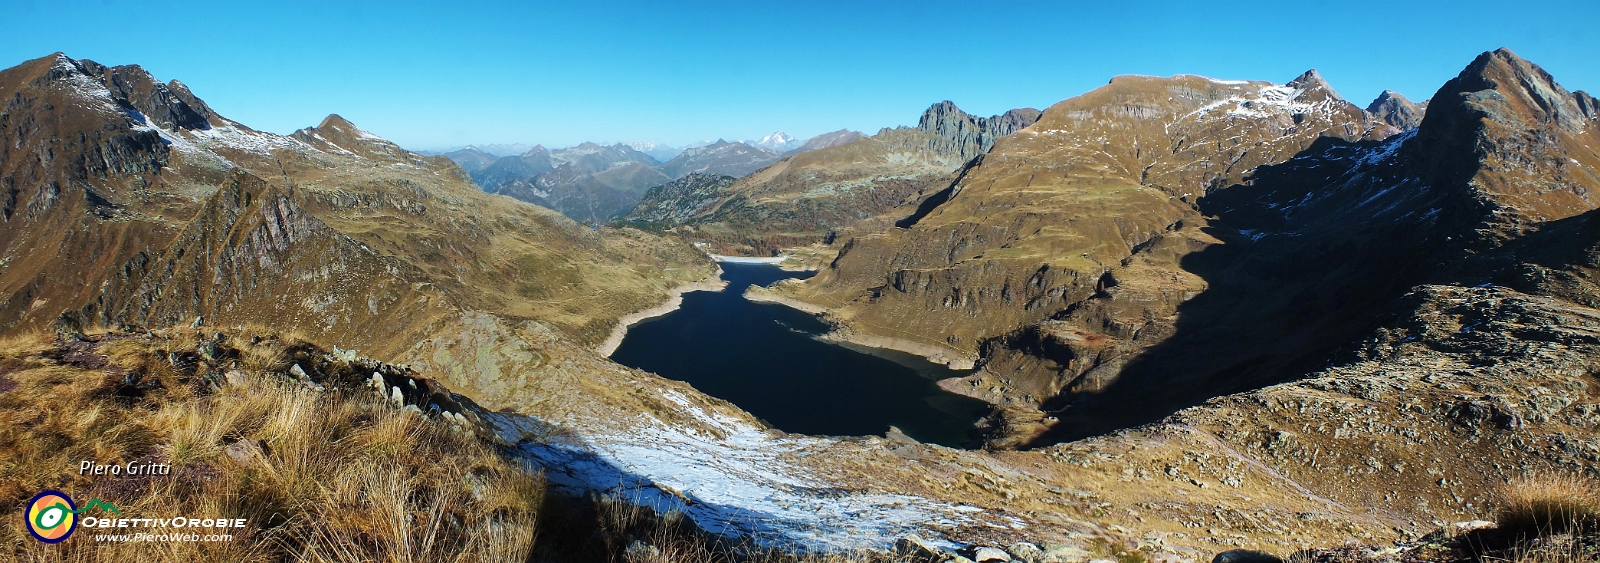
column 1160, row 241
column 802, row 198
column 680, row 199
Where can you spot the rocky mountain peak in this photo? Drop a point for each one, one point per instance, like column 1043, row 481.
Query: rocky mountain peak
column 336, row 122
column 778, row 141
column 129, row 87
column 337, row 134
column 181, row 90
column 1392, row 108
column 942, row 115
column 1310, row 79
column 1313, row 87
column 1507, row 88
column 971, row 136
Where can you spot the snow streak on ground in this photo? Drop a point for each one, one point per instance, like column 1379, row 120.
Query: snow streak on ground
column 745, row 482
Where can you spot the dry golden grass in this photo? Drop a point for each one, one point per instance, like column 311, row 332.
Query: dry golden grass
column 1567, row 555
column 321, row 476
column 1546, row 505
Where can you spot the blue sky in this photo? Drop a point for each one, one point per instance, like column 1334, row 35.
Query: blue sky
column 435, row 75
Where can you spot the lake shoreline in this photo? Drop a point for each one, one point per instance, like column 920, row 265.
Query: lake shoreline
column 786, row 263
column 673, row 303
column 842, row 334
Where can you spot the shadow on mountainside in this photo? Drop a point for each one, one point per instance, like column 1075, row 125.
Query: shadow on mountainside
column 1316, row 252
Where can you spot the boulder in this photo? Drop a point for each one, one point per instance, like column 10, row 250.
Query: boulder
column 983, row 554
column 915, row 550
column 1027, row 552
column 1245, row 556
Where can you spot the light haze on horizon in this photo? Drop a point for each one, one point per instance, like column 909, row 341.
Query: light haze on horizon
column 433, row 77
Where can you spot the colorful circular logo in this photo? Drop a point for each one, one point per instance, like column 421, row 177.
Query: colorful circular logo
column 51, row 516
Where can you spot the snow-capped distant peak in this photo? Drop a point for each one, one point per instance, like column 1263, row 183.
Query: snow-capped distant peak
column 777, row 141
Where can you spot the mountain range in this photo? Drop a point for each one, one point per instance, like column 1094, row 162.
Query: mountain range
column 594, row 183
column 1160, row 241
column 846, row 179
column 1207, row 314
column 130, row 202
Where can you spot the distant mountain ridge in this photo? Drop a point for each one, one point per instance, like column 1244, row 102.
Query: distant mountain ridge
column 595, row 182
column 834, row 181
column 721, row 158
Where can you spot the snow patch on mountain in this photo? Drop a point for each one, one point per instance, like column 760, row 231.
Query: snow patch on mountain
column 734, row 478
column 777, row 141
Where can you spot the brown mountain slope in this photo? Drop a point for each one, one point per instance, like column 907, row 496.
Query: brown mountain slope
column 800, row 199
column 131, row 186
column 1097, row 294
column 1035, row 225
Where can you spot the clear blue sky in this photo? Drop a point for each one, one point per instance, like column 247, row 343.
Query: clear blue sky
column 433, row 75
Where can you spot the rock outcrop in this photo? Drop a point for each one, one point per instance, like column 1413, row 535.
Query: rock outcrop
column 966, row 136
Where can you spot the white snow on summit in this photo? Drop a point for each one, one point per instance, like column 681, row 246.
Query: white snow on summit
column 778, row 141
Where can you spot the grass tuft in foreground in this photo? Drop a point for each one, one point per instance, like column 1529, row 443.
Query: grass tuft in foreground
column 1540, row 506
column 321, row 475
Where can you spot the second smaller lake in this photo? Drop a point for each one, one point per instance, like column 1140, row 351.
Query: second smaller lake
column 765, row 359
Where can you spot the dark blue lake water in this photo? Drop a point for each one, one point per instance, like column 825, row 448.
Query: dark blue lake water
column 763, row 358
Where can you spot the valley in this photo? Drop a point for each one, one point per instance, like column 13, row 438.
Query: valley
column 766, row 360
column 1157, row 321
